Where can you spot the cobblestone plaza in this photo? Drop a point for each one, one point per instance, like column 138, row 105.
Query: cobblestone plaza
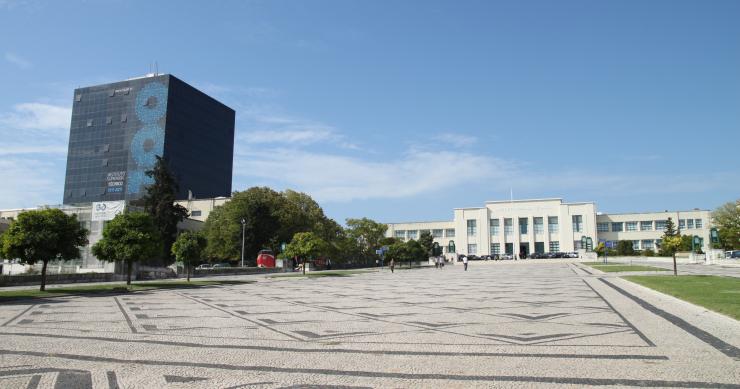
column 496, row 325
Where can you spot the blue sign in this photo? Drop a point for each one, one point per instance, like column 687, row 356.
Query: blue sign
column 609, row 244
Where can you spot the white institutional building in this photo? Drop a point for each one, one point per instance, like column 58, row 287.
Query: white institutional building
column 499, row 227
column 548, row 225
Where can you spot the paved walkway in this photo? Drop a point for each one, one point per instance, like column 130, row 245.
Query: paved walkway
column 499, row 324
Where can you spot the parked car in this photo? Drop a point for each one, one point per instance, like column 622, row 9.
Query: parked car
column 486, row 257
column 507, row 257
column 537, row 255
column 221, row 265
column 473, row 257
column 204, row 266
column 735, row 254
column 571, row 254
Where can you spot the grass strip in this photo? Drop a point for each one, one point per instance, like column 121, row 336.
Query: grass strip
column 623, row 268
column 716, row 293
column 111, row 288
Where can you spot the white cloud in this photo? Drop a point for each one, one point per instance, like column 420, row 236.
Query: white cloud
column 30, row 182
column 332, row 177
column 17, row 60
column 16, row 149
column 36, row 116
column 267, row 128
column 455, row 139
column 289, row 136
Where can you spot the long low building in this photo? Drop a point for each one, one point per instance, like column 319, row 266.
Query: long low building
column 92, row 217
column 522, row 227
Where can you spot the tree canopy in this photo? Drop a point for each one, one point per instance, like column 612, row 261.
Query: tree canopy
column 426, row 241
column 44, row 235
column 270, row 217
column 367, row 233
column 159, row 202
column 306, row 245
column 727, row 220
column 130, row 237
column 410, row 251
column 188, row 248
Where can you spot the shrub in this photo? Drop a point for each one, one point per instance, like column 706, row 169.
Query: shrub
column 648, row 253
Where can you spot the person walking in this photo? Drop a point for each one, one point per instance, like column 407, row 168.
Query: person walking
column 392, row 264
column 465, row 262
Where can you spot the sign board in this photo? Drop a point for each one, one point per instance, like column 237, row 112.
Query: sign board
column 114, row 182
column 379, row 251
column 106, row 210
column 609, row 244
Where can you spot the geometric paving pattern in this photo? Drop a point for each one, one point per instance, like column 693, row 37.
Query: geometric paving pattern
column 504, row 324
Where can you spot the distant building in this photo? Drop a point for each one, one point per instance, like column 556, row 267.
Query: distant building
column 549, row 225
column 117, row 129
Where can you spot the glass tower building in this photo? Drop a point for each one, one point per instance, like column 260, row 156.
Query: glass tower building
column 118, row 129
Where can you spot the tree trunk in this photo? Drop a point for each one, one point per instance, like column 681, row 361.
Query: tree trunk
column 188, row 265
column 304, row 267
column 43, row 276
column 129, row 265
column 675, row 271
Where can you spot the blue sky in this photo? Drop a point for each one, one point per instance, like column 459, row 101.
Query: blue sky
column 403, row 110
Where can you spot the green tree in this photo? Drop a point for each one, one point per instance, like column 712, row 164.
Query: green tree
column 686, row 242
column 271, row 218
column 188, row 247
column 624, row 247
column 670, row 228
column 426, row 241
column 44, row 235
column 368, row 233
column 159, row 202
column 671, row 244
column 130, row 237
column 261, row 208
column 409, row 252
column 727, row 220
column 307, row 246
column 670, row 232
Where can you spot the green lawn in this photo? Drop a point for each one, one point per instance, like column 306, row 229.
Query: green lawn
column 719, row 294
column 112, row 288
column 621, row 268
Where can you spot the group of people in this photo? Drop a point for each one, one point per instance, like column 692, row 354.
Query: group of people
column 439, row 262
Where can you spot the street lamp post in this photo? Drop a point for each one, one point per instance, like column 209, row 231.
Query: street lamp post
column 244, row 225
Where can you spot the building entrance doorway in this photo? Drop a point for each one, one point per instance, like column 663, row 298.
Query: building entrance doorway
column 523, row 250
column 509, row 248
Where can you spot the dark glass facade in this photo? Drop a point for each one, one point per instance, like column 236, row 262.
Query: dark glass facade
column 118, row 129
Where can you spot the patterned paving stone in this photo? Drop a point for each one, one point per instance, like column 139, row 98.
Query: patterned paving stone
column 502, row 325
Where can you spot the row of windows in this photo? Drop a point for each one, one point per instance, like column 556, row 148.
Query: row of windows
column 538, row 247
column 645, row 244
column 414, row 234
column 111, row 93
column 660, row 225
column 108, row 120
column 539, row 226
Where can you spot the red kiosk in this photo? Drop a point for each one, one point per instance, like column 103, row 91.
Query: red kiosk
column 265, row 258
